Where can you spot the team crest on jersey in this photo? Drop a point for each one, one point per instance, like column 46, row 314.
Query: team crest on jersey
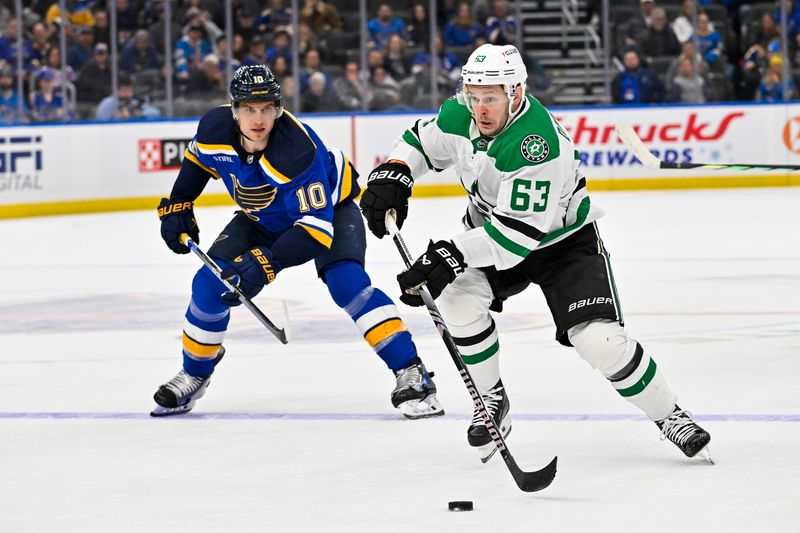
column 534, row 148
column 252, row 199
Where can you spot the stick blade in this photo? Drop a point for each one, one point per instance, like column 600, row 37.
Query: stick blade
column 629, row 138
column 536, row 480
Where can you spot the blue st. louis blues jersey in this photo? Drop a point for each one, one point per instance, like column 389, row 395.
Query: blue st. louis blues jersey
column 295, row 182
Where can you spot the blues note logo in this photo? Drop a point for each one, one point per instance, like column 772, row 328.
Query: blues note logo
column 252, row 199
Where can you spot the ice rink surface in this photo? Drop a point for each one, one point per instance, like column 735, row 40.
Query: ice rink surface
column 302, row 438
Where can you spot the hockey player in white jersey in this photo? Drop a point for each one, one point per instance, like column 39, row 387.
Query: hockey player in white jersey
column 529, row 220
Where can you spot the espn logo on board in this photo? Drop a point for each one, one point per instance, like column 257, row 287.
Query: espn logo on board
column 161, row 154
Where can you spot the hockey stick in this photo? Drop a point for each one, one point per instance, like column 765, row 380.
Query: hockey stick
column 275, row 330
column 527, row 481
column 630, row 139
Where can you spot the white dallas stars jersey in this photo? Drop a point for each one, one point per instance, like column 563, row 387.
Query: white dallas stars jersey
column 525, row 189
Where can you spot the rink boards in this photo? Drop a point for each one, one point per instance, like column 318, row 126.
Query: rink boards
column 94, row 167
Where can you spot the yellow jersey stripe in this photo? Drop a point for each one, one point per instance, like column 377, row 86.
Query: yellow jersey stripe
column 274, row 171
column 200, row 350
column 384, row 330
column 191, row 157
column 215, row 147
column 318, row 235
column 299, row 125
column 347, row 179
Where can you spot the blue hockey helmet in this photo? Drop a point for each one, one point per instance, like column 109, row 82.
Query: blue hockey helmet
column 255, row 83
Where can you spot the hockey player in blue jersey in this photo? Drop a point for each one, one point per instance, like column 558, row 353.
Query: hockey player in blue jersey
column 296, row 204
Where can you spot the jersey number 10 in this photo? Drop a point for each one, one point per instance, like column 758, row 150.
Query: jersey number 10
column 313, row 199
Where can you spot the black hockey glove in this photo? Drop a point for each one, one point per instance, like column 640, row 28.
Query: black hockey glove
column 436, row 268
column 177, row 217
column 250, row 272
column 388, row 187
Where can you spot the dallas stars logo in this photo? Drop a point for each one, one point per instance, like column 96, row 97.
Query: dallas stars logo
column 534, row 148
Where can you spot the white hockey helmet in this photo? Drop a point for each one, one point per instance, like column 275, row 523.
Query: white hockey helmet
column 491, row 64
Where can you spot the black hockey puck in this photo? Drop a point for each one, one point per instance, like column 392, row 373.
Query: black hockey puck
column 460, row 506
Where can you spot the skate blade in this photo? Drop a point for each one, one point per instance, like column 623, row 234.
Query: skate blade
column 705, row 453
column 487, row 451
column 416, row 409
column 160, row 411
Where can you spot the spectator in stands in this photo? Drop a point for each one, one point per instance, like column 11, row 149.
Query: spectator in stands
column 78, row 12
column 258, row 53
column 82, row 51
column 307, row 40
column 312, row 63
column 317, row 97
column 244, row 23
column 281, row 68
column 94, row 79
column 281, row 45
column 792, row 18
column 384, row 92
column 127, row 17
column 697, row 60
column 349, row 89
column 767, row 31
column 445, row 12
column 8, row 46
column 196, row 16
column 418, row 30
column 320, row 16
column 124, row 105
column 208, row 82
column 222, row 53
column 463, row 30
column 102, row 31
column 47, row 102
column 710, row 42
column 156, row 30
column 190, row 50
column 688, row 87
column 658, row 40
column 501, row 28
column 639, row 21
column 636, row 84
column 139, row 55
column 39, row 42
column 383, row 26
column 53, row 61
column 771, row 88
column 277, row 15
column 375, row 58
column 9, row 98
column 755, row 63
column 683, row 25
column 398, row 64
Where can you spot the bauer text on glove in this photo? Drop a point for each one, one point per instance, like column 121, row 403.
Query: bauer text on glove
column 388, row 187
column 177, row 217
column 436, row 268
column 250, row 272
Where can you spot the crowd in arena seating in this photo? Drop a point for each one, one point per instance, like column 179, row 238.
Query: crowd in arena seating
column 732, row 52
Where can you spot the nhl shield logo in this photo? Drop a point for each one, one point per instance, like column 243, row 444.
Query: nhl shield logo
column 534, row 148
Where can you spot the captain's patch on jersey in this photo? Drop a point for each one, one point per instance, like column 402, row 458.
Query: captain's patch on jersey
column 534, row 148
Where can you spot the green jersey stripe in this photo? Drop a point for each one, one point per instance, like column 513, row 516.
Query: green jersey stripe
column 474, row 359
column 640, row 385
column 412, row 140
column 583, row 212
column 505, row 242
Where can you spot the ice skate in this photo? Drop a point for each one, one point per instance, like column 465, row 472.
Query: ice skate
column 682, row 431
column 178, row 395
column 415, row 392
column 478, row 435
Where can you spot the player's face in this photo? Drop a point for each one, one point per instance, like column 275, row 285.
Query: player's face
column 256, row 119
column 489, row 105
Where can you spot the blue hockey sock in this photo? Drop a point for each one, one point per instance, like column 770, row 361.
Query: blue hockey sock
column 373, row 312
column 204, row 325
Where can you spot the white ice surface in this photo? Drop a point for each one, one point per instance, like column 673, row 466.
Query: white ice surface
column 302, row 438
